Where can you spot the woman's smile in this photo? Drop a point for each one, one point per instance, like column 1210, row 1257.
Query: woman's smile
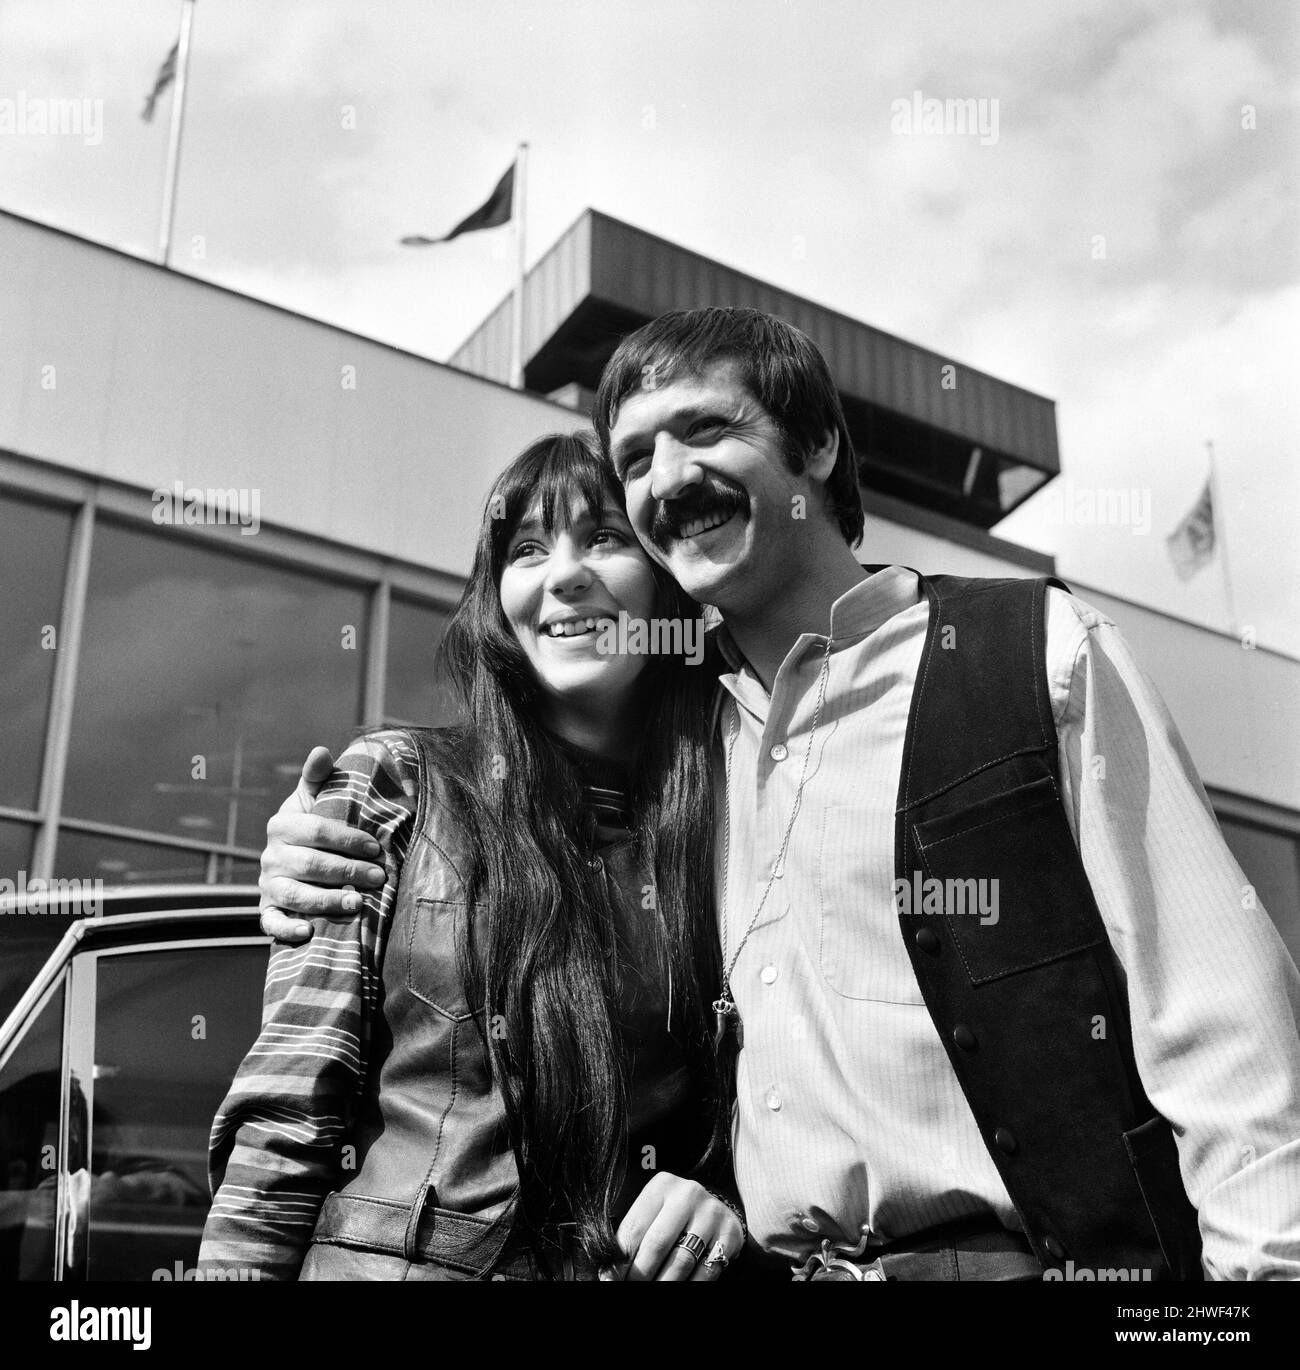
column 561, row 587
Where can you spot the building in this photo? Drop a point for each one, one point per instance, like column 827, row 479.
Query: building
column 229, row 532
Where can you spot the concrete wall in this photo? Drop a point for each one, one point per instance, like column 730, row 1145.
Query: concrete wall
column 159, row 378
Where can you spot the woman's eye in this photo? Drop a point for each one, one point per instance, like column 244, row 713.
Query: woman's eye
column 606, row 535
column 523, row 549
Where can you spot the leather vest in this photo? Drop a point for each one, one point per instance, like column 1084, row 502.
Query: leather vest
column 434, row 1165
column 430, row 1128
column 1029, row 1005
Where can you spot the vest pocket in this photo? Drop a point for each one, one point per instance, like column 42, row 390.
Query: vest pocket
column 432, row 966
column 1008, row 875
column 1153, row 1154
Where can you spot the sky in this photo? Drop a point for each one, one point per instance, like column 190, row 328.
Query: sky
column 1125, row 242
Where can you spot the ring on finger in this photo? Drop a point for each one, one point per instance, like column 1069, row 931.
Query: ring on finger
column 691, row 1244
column 717, row 1258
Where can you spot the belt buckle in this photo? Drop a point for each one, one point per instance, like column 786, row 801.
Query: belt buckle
column 819, row 1265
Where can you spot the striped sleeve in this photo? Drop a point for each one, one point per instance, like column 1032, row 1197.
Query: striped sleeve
column 276, row 1140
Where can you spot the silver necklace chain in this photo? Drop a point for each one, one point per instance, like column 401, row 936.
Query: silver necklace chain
column 724, row 1006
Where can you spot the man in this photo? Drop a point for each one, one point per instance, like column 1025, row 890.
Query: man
column 987, row 953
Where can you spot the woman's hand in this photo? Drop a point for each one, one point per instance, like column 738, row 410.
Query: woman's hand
column 667, row 1209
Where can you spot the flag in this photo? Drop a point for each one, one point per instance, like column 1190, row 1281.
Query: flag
column 493, row 212
column 1191, row 544
column 166, row 75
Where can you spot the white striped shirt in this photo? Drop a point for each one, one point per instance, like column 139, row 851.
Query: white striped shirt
column 850, row 1118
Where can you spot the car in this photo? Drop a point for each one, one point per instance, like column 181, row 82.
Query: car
column 124, row 1020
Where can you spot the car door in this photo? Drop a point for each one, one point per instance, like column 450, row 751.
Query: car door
column 108, row 1090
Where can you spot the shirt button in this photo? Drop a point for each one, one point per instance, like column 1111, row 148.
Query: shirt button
column 768, row 975
column 779, row 752
column 773, row 1099
column 810, row 1224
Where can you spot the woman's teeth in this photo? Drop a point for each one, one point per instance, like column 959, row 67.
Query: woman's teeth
column 573, row 628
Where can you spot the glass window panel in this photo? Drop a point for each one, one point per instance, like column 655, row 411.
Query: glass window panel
column 232, row 871
column 171, row 1029
column 118, row 861
column 34, row 540
column 15, row 847
column 26, row 940
column 413, row 692
column 191, row 652
column 29, row 1138
column 1016, row 482
column 1271, row 862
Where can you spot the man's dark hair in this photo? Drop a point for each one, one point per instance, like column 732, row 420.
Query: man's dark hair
column 779, row 365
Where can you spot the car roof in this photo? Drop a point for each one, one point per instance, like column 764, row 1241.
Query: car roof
column 114, row 901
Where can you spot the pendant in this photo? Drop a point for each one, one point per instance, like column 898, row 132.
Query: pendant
column 724, row 1011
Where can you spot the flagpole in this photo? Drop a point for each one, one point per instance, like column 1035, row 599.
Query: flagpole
column 1221, row 539
column 517, row 218
column 174, row 141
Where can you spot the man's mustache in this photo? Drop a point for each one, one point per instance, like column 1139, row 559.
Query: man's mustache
column 711, row 497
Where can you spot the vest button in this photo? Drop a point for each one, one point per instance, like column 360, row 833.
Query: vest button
column 964, row 1037
column 1006, row 1141
column 596, row 863
column 1054, row 1248
column 928, row 940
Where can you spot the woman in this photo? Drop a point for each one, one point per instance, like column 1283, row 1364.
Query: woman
column 549, row 864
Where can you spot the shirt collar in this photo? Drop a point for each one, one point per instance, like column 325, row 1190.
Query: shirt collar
column 857, row 612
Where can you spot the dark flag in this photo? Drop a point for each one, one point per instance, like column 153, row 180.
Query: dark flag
column 492, row 213
column 166, row 75
column 1192, row 543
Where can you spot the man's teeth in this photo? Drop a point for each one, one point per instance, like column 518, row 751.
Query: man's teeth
column 576, row 627
column 697, row 526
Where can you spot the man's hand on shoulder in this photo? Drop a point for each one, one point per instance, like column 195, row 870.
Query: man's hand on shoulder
column 312, row 866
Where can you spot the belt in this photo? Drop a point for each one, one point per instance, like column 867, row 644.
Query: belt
column 475, row 1246
column 952, row 1253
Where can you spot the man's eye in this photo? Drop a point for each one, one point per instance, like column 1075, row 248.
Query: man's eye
column 703, row 426
column 633, row 466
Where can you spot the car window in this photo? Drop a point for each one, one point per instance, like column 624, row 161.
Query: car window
column 29, row 1136
column 26, row 943
column 171, row 1029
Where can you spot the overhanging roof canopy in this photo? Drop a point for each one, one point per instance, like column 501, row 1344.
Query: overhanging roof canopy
column 972, row 449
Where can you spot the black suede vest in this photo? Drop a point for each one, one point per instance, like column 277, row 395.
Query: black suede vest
column 1030, row 1007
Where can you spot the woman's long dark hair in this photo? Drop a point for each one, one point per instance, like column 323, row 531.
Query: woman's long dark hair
column 543, row 960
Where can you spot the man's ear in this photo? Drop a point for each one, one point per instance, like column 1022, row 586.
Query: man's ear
column 821, row 460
